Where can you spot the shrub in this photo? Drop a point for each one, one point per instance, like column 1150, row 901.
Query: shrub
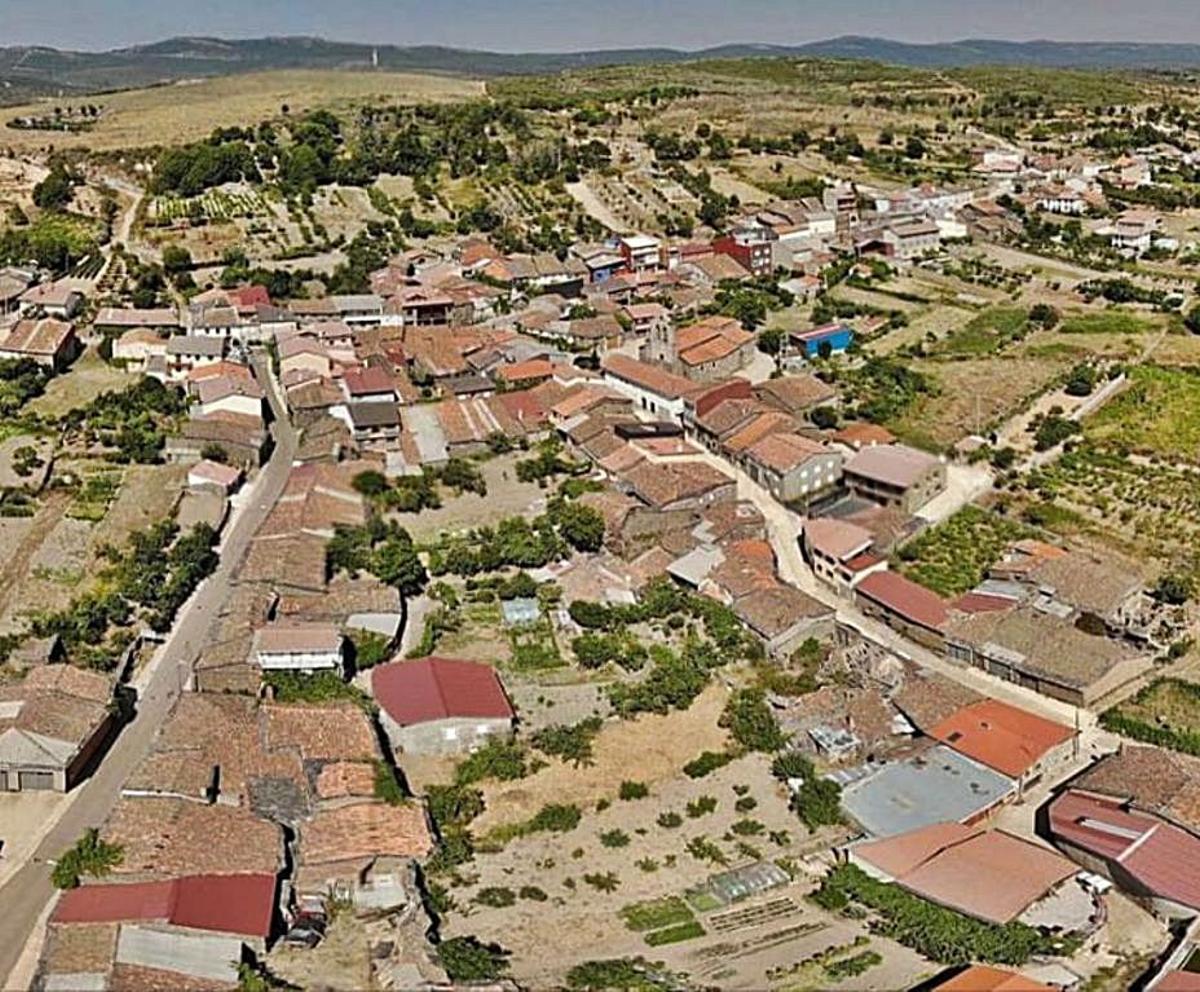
column 745, row 804
column 614, row 838
column 633, row 790
column 499, row 758
column 669, row 820
column 706, row 763
column 673, row 935
column 556, row 817
column 573, row 743
column 607, row 882
column 703, row 849
column 467, row 959
column 497, row 897
column 533, row 893
column 747, row 828
column 702, row 806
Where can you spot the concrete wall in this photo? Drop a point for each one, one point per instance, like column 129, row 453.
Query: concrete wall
column 443, row 737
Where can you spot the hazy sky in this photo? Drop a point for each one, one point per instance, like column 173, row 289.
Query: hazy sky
column 514, row 25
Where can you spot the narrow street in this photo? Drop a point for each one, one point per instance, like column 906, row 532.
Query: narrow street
column 25, row 895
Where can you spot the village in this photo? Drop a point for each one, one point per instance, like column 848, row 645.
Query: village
column 802, row 601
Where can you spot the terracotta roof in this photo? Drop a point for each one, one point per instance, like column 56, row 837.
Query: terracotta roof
column 428, row 689
column 861, row 432
column 893, row 464
column 1003, row 737
column 240, row 904
column 906, row 598
column 535, row 368
column 796, row 392
column 660, row 485
column 980, row 978
column 340, row 779
column 322, row 733
column 836, row 538
column 762, row 426
column 786, row 452
column 365, row 381
column 988, row 874
column 1163, row 782
column 775, row 610
column 649, row 377
column 37, row 337
column 286, row 638
column 365, row 830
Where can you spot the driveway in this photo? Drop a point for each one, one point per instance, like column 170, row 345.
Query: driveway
column 28, row 889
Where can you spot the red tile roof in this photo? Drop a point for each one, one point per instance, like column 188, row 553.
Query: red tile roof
column 978, row 602
column 1003, row 737
column 241, row 904
column 372, row 379
column 902, row 596
column 412, row 692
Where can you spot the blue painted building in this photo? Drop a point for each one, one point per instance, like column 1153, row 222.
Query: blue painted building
column 809, row 343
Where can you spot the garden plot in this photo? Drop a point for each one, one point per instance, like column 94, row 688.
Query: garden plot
column 1165, row 713
column 601, row 889
column 1146, row 509
column 222, row 204
column 954, row 557
column 930, row 325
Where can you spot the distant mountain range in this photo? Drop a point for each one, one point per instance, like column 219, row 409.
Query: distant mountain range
column 33, row 71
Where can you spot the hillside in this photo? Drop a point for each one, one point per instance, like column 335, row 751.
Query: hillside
column 27, row 72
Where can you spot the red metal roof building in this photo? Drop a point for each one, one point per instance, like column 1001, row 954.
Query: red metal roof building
column 428, row 689
column 237, row 904
column 1152, row 860
column 904, row 604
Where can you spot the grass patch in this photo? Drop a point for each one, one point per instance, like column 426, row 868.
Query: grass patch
column 986, row 333
column 1107, row 322
column 1157, row 414
column 953, row 557
column 675, row 935
column 654, row 914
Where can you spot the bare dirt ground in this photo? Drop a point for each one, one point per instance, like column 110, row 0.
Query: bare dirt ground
column 595, row 208
column 25, row 817
column 649, row 749
column 187, row 111
column 505, row 497
column 975, row 394
column 341, row 961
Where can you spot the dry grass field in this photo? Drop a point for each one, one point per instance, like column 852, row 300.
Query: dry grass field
column 187, row 111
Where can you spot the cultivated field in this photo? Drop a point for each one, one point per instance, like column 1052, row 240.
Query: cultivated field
column 190, row 110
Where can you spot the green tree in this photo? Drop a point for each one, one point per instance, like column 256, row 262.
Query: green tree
column 397, row 563
column 90, row 856
column 56, row 190
column 750, row 722
column 581, row 526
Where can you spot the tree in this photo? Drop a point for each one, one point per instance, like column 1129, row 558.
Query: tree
column 1081, row 381
column 914, row 148
column 824, row 417
column 467, row 959
column 1174, row 589
column 750, row 722
column 176, row 259
column 370, row 483
column 1192, row 320
column 55, row 191
column 581, row 526
column 90, row 856
column 214, row 452
column 770, row 341
column 1043, row 314
column 397, row 563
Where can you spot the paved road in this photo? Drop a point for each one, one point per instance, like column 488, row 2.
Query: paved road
column 25, row 895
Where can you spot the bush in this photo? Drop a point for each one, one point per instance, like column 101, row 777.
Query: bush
column 669, row 820
column 467, row 959
column 701, row 806
column 817, row 801
column 533, row 893
column 633, row 790
column 614, row 838
column 706, row 763
column 573, row 743
column 496, row 897
column 500, row 758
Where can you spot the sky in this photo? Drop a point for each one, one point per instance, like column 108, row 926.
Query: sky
column 560, row 25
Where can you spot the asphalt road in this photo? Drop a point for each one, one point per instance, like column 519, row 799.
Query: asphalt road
column 24, row 896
